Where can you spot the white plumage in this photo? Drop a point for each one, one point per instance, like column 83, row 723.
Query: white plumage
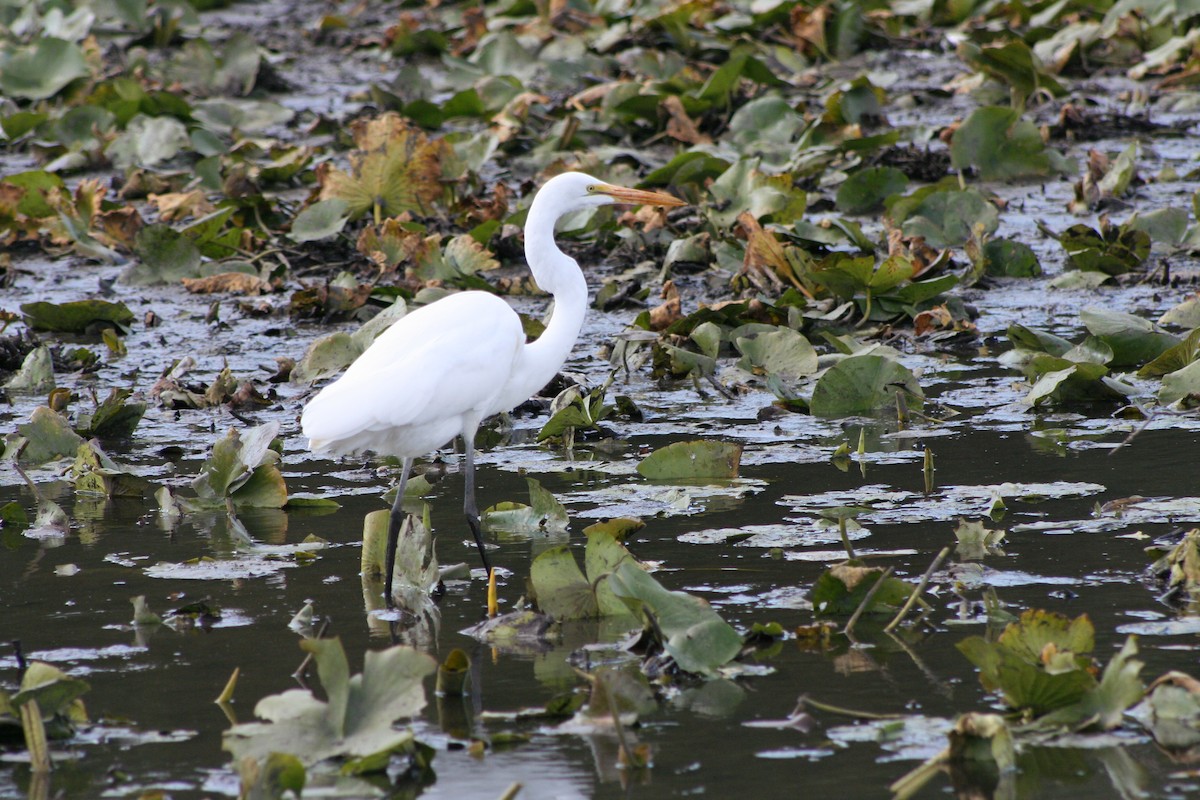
column 439, row 371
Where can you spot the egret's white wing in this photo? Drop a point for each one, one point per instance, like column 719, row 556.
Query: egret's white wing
column 420, row 377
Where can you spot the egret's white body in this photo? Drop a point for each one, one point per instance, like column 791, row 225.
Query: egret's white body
column 440, row 370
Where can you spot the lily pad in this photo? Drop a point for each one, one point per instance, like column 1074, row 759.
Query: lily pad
column 950, row 218
column 322, row 220
column 783, row 352
column 544, row 515
column 1002, row 146
column 114, row 416
column 1039, row 664
column 164, row 256
column 396, row 168
column 36, row 373
column 356, row 720
column 692, row 461
column 1112, row 250
column 1133, row 340
column 48, row 436
column 841, row 590
column 43, row 69
column 77, row 316
column 1012, row 259
column 1181, row 385
column 866, row 189
column 692, row 632
column 862, row 385
column 564, row 593
column 243, row 468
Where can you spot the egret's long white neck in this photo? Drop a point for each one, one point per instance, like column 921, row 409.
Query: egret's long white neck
column 558, row 274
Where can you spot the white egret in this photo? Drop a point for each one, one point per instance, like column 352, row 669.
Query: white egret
column 440, row 370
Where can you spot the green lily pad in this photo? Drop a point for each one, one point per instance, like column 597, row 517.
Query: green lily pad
column 1174, row 358
column 1184, row 315
column 1010, row 259
column 48, row 436
column 55, row 691
column 324, row 219
column 692, row 632
column 1039, row 663
column 1012, row 63
column 564, row 593
column 1134, row 341
column 1183, row 384
column 1112, row 250
column 544, row 515
column 114, row 417
column 862, row 385
column 576, row 411
column 1065, row 381
column 357, row 718
column 164, row 256
column 1104, row 707
column 43, row 69
column 77, row 316
column 243, row 468
column 950, row 218
column 1165, row 226
column 1002, row 146
column 782, row 352
column 841, row 589
column 560, row 588
column 148, row 141
column 1038, row 341
column 865, row 190
column 95, row 473
column 692, row 461
column 36, row 373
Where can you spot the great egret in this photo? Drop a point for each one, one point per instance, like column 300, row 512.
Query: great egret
column 439, row 371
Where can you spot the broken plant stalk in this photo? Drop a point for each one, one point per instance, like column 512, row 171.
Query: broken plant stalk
column 866, row 601
column 916, row 594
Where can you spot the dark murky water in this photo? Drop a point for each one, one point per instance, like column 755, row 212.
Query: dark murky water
column 162, row 686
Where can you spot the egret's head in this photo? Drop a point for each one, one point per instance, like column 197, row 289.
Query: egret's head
column 573, row 191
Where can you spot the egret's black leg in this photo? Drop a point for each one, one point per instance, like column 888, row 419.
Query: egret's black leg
column 469, row 508
column 395, row 520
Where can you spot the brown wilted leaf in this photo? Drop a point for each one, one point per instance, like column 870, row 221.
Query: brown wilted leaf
column 119, row 226
column 648, row 218
column 766, row 265
column 670, row 311
column 679, row 125
column 807, row 27
column 479, row 210
column 248, row 395
column 396, row 168
column 852, row 576
column 328, row 301
column 592, row 95
column 180, row 205
column 231, row 282
column 390, row 244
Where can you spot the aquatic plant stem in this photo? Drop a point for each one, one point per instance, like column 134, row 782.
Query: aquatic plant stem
column 806, row 701
column 866, row 601
column 916, row 594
